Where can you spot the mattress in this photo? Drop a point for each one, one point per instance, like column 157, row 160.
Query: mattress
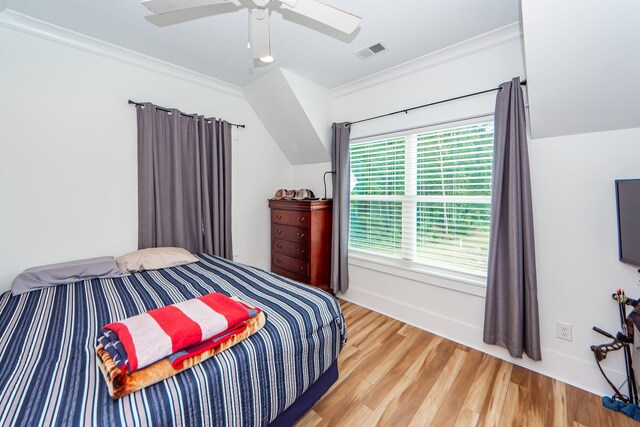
column 49, row 375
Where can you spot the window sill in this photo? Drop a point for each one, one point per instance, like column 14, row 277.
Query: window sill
column 449, row 280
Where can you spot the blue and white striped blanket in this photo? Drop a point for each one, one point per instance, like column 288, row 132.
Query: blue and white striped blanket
column 48, row 371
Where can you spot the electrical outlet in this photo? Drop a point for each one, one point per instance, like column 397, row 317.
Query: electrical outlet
column 565, row 331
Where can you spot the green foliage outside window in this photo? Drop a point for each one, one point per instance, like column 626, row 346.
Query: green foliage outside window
column 447, row 221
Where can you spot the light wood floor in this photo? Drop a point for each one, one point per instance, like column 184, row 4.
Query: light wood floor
column 393, row 374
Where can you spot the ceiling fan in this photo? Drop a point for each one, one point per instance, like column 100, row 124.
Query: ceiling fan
column 259, row 38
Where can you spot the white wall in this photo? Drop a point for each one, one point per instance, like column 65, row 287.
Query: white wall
column 311, row 177
column 68, row 183
column 577, row 243
column 579, row 65
column 574, row 212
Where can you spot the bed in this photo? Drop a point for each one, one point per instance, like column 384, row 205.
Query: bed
column 49, row 375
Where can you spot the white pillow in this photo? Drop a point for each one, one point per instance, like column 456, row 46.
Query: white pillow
column 153, row 259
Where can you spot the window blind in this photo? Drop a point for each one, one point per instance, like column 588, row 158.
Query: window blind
column 425, row 198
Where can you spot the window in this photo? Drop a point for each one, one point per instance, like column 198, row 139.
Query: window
column 424, row 198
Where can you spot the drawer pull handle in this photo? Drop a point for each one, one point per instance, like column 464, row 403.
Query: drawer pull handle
column 301, row 219
column 279, row 216
column 279, row 245
column 300, row 251
column 279, row 231
column 279, row 261
column 300, row 267
column 300, row 235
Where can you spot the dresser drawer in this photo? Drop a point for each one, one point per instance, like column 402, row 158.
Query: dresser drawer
column 294, row 218
column 292, row 234
column 296, row 250
column 288, row 263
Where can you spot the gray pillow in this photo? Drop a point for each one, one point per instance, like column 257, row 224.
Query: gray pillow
column 67, row 272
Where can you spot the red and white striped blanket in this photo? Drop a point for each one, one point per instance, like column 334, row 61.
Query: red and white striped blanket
column 190, row 327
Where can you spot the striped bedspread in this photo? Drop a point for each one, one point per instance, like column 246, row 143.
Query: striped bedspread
column 48, row 371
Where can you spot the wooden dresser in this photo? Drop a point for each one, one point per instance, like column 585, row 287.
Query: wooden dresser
column 301, row 240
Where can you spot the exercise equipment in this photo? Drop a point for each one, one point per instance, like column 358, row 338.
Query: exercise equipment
column 623, row 340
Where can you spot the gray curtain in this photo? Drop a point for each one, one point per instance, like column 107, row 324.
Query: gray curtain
column 340, row 223
column 184, row 181
column 511, row 307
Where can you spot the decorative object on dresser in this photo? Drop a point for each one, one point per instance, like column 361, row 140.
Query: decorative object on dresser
column 301, row 240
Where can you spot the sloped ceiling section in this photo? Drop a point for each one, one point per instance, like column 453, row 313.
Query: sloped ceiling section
column 296, row 112
column 582, row 65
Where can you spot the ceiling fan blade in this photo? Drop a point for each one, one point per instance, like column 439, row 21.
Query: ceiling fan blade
column 160, row 7
column 328, row 15
column 259, row 36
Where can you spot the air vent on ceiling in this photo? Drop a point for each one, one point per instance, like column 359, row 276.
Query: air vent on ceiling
column 375, row 49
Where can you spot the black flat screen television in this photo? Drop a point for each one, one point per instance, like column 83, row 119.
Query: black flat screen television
column 628, row 201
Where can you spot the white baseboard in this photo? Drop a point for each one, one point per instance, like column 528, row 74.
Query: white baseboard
column 568, row 369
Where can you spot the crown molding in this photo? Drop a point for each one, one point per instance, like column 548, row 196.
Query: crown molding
column 44, row 30
column 485, row 41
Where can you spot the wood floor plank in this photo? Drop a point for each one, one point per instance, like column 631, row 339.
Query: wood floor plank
column 426, row 358
column 577, row 405
column 363, row 326
column 521, row 376
column 450, row 409
column 490, row 416
column 389, row 331
column 351, row 386
column 332, row 412
column 480, row 387
column 425, row 372
column 407, row 329
column 536, row 408
column 557, row 405
column 467, row 418
column 398, row 369
column 392, row 357
column 310, row 419
column 514, row 406
column 438, row 393
column 355, row 417
column 383, row 413
column 394, row 374
column 373, row 352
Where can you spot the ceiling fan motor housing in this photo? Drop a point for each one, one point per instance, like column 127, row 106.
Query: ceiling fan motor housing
column 259, row 37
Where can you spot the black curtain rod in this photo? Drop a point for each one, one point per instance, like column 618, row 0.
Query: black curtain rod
column 140, row 104
column 406, row 110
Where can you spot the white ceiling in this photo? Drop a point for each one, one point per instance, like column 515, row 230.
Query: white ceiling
column 216, row 45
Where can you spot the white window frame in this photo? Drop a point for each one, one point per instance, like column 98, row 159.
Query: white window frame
column 469, row 283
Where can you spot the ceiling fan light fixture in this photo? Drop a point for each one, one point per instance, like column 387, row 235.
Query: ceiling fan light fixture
column 259, row 33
